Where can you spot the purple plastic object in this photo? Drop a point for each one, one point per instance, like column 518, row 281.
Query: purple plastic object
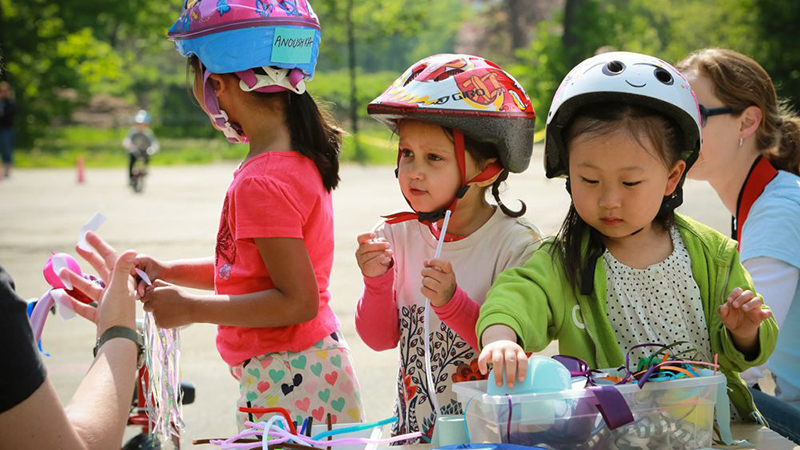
column 612, row 406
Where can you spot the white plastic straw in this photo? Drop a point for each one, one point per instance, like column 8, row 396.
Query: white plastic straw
column 441, row 236
column 428, row 375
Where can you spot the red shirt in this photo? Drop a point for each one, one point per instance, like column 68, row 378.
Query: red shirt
column 275, row 194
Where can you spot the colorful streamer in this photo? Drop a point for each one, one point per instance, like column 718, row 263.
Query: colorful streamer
column 269, row 434
column 162, row 358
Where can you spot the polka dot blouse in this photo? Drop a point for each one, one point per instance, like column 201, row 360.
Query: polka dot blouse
column 659, row 304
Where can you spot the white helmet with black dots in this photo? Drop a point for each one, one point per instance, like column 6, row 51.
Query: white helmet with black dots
column 622, row 77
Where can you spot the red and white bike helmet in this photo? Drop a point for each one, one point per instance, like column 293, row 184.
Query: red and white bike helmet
column 625, row 78
column 471, row 96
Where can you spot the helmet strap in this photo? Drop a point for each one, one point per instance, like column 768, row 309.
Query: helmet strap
column 430, row 217
column 219, row 117
column 273, row 80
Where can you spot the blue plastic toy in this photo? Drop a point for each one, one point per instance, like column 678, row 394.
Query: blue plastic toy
column 544, row 375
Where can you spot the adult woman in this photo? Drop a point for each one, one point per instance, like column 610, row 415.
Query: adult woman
column 751, row 157
column 6, row 127
column 31, row 416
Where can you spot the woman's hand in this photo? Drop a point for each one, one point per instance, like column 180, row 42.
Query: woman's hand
column 374, row 255
column 118, row 304
column 742, row 314
column 102, row 258
column 171, row 306
column 438, row 282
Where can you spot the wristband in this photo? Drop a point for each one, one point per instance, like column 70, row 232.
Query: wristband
column 122, row 332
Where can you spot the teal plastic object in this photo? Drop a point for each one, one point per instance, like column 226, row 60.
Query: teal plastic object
column 449, row 430
column 544, row 375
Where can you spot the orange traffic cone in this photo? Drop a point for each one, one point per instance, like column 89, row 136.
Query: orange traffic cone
column 80, row 169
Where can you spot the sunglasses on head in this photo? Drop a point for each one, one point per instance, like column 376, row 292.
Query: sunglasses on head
column 705, row 113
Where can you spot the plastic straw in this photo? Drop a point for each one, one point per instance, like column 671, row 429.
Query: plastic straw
column 442, row 235
column 427, row 326
column 365, row 426
column 280, row 436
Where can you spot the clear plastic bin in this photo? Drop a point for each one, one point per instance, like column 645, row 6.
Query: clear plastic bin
column 677, row 414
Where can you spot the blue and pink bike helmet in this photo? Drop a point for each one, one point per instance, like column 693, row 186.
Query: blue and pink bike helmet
column 271, row 45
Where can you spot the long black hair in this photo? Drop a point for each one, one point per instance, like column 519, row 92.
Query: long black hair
column 314, row 134
column 313, row 131
column 646, row 126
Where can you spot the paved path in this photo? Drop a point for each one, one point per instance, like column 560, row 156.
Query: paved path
column 177, row 217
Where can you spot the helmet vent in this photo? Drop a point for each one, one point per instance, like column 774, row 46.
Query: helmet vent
column 414, row 75
column 663, row 76
column 614, row 68
column 448, row 74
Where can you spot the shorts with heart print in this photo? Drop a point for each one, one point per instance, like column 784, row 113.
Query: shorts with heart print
column 315, row 382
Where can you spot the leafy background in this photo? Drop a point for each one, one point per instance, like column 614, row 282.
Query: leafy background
column 81, row 69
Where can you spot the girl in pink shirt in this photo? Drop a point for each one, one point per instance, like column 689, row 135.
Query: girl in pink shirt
column 274, row 251
column 463, row 124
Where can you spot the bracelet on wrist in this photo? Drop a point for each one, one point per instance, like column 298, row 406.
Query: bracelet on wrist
column 120, row 331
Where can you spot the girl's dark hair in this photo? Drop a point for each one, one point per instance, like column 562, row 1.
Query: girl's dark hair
column 314, row 132
column 647, row 127
column 740, row 82
column 480, row 152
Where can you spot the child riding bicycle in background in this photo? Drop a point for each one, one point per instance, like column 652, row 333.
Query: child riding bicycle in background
column 140, row 142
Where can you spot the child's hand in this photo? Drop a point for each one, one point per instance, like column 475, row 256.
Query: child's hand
column 171, row 306
column 154, row 269
column 506, row 355
column 438, row 282
column 374, row 255
column 741, row 315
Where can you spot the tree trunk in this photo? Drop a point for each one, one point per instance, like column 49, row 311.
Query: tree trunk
column 351, row 59
column 4, row 49
column 516, row 15
column 570, row 40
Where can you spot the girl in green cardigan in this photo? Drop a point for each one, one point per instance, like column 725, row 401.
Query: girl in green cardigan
column 625, row 269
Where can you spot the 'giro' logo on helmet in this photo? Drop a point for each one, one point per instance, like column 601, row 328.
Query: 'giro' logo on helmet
column 482, row 89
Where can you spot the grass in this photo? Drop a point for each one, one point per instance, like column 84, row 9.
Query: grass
column 103, row 148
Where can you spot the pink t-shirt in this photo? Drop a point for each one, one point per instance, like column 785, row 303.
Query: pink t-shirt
column 275, row 194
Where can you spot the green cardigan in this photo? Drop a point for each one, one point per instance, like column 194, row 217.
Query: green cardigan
column 538, row 303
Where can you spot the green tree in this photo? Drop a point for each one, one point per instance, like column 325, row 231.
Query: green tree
column 58, row 54
column 363, row 28
column 777, row 22
column 669, row 29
